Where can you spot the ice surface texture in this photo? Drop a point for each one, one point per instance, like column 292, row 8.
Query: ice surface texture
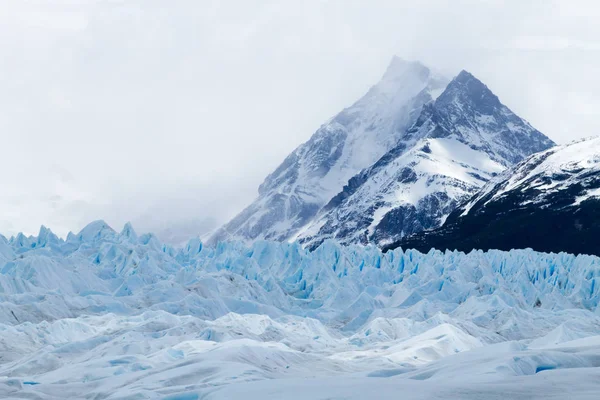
column 120, row 315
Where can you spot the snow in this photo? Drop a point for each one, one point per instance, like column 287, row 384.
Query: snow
column 593, row 193
column 448, row 166
column 352, row 140
column 459, row 142
column 574, row 163
column 121, row 316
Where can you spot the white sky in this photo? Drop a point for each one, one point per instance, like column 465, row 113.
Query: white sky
column 169, row 113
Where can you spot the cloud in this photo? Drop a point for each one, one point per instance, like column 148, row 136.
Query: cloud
column 165, row 112
column 550, row 43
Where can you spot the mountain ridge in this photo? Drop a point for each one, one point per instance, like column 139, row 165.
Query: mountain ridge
column 460, row 140
column 548, row 202
column 352, row 140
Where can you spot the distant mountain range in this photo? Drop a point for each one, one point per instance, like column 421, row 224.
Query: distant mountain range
column 395, row 163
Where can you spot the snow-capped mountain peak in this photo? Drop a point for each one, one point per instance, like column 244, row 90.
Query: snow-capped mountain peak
column 354, row 139
column 458, row 142
column 401, row 72
column 470, row 112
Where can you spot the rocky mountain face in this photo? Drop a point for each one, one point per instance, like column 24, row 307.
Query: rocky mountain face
column 354, row 139
column 549, row 202
column 459, row 141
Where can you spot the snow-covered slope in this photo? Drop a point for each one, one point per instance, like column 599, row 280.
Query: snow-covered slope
column 352, row 140
column 461, row 140
column 560, row 169
column 119, row 315
column 550, row 202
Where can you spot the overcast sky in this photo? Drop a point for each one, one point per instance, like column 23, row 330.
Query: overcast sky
column 172, row 112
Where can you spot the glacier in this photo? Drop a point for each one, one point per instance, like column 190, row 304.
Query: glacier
column 117, row 315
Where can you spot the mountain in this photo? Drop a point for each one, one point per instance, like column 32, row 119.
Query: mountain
column 459, row 141
column 119, row 315
column 549, row 202
column 352, row 140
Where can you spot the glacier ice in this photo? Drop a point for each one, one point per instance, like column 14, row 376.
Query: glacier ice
column 114, row 315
